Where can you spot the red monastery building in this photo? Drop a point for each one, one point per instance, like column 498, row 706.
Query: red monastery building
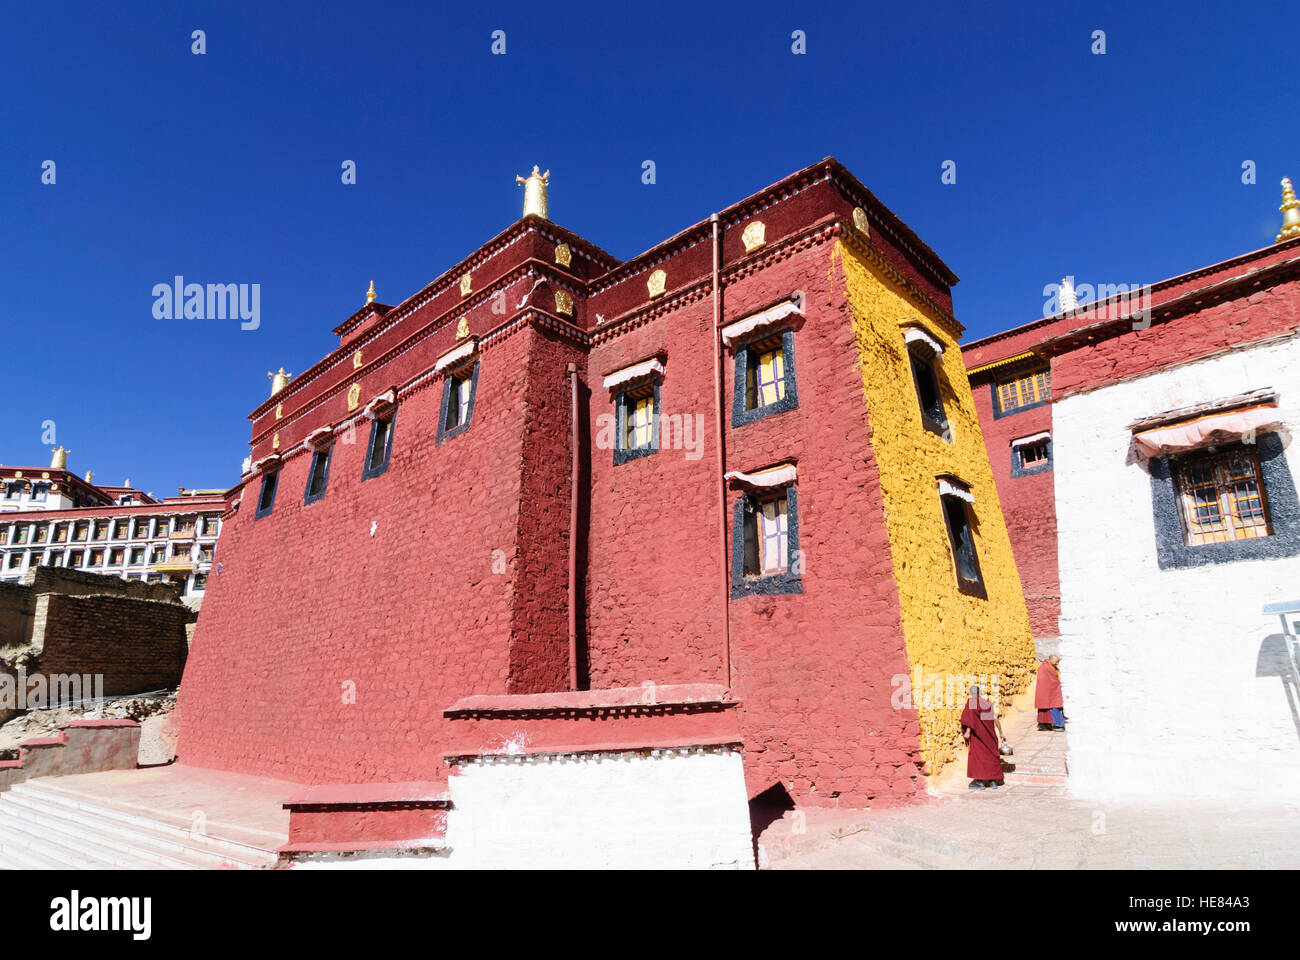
column 511, row 484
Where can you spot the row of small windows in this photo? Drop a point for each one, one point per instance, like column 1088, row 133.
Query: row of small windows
column 120, row 556
column 86, row 531
column 87, row 560
column 454, row 418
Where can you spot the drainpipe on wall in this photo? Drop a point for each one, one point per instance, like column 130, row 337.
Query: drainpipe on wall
column 573, row 532
column 723, row 579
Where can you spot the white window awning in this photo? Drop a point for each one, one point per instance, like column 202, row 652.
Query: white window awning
column 1187, row 434
column 638, row 371
column 1037, row 437
column 319, row 436
column 757, row 323
column 457, row 356
column 914, row 334
column 380, row 403
column 778, row 476
column 951, row 488
column 265, row 462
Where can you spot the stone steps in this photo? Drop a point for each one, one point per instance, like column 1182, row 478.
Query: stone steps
column 44, row 825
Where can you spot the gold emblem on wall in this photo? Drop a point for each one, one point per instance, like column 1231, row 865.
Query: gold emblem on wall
column 462, row 328
column 45, row 474
column 356, row 360
column 563, row 303
column 655, row 284
column 54, row 488
column 275, row 442
column 860, row 221
column 465, row 285
column 17, row 474
column 563, row 255
column 279, row 410
column 354, row 396
column 753, row 235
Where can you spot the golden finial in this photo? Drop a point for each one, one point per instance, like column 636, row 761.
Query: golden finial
column 59, row 459
column 535, row 192
column 1290, row 212
column 278, row 381
column 370, row 294
column 90, row 476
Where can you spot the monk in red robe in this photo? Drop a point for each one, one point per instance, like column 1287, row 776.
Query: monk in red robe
column 982, row 733
column 1047, row 695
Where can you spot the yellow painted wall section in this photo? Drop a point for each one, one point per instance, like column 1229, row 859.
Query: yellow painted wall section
column 950, row 635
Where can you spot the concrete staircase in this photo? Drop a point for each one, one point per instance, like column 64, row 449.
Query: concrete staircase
column 47, row 825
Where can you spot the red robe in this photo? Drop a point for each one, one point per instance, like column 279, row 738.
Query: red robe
column 983, row 761
column 1047, row 691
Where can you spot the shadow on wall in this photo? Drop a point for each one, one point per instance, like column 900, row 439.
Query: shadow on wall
column 1277, row 658
column 767, row 808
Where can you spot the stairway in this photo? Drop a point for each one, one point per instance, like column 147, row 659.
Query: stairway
column 48, row 825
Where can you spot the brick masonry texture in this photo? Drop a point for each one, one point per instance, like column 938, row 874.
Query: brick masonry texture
column 133, row 634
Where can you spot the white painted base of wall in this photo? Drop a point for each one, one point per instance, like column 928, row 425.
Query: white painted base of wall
column 1161, row 668
column 662, row 809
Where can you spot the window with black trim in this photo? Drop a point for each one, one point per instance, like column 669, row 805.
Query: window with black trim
column 317, row 476
column 926, row 378
column 1031, row 388
column 958, row 518
column 765, row 382
column 14, row 491
column 1032, row 455
column 39, row 491
column 765, row 543
column 380, row 447
column 457, row 412
column 266, row 498
column 637, row 427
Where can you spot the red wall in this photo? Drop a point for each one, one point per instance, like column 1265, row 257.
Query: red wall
column 1029, row 506
column 813, row 669
column 306, row 598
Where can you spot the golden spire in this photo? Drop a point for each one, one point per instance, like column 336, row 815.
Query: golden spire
column 535, row 192
column 90, row 476
column 1290, row 212
column 59, row 459
column 370, row 294
column 278, row 381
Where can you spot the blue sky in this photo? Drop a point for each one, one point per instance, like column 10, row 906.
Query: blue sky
column 226, row 167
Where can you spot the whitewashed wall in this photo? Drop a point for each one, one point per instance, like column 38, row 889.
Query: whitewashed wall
column 665, row 809
column 1159, row 666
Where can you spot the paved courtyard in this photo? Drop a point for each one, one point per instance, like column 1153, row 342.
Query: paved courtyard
column 1032, row 823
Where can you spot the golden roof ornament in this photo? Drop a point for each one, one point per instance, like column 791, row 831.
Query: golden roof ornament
column 59, row 458
column 279, row 381
column 535, row 193
column 90, row 476
column 1290, row 212
column 370, row 294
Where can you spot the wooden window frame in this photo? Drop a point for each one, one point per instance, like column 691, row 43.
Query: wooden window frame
column 1039, row 379
column 320, row 457
column 1226, row 500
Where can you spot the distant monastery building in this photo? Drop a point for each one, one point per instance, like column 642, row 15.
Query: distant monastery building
column 52, row 517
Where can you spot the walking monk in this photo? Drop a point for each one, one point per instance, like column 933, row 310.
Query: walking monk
column 982, row 733
column 1047, row 695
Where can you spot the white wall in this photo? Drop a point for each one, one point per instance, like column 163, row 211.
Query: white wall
column 1159, row 666
column 665, row 809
